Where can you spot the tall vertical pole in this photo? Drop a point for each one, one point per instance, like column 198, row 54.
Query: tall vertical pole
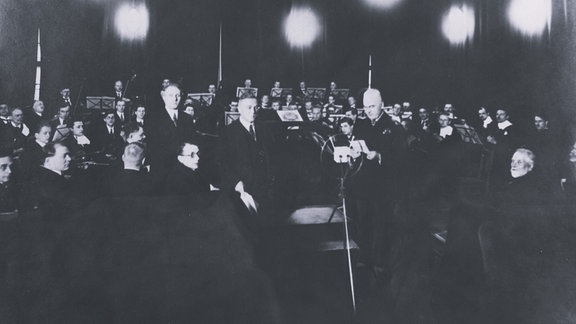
column 370, row 71
column 38, row 69
column 220, row 56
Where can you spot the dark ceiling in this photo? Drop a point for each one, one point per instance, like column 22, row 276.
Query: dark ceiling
column 412, row 61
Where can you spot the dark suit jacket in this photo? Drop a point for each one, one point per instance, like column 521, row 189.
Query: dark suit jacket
column 103, row 141
column 130, row 183
column 163, row 137
column 33, row 120
column 388, row 139
column 184, row 181
column 241, row 158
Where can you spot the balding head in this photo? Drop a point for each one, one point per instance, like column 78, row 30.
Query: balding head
column 133, row 156
column 372, row 103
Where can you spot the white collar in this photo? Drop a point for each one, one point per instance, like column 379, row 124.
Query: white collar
column 171, row 112
column 129, row 167
column 487, row 121
column 39, row 114
column 82, row 140
column 58, row 172
column 505, row 124
column 446, row 131
column 245, row 124
column 40, row 143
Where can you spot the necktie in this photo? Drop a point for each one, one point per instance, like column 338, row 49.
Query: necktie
column 175, row 119
column 252, row 132
column 122, row 117
column 111, row 131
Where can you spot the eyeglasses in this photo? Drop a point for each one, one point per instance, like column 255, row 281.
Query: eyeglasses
column 193, row 154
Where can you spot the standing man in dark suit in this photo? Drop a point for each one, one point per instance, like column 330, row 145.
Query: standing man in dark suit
column 166, row 128
column 244, row 157
column 375, row 186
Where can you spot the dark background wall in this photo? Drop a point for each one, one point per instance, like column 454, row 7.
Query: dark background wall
column 411, row 59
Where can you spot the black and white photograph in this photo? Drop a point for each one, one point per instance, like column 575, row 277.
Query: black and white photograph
column 288, row 161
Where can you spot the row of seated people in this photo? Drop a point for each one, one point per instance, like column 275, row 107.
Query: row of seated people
column 56, row 183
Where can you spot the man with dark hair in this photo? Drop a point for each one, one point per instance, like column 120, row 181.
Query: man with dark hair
column 133, row 132
column 61, row 120
column 14, row 134
column 8, row 200
column 77, row 141
column 33, row 152
column 107, row 137
column 4, row 114
column 184, row 178
column 49, row 190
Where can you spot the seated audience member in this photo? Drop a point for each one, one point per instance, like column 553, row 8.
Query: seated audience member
column 289, row 101
column 130, row 181
column 424, row 120
column 276, row 105
column 233, row 106
column 486, row 125
column 60, row 121
column 351, row 113
column 347, row 128
column 4, row 114
column 406, row 112
column 568, row 177
column 330, row 107
column 189, row 109
column 140, row 115
column 505, row 141
column 8, row 200
column 35, row 116
column 394, row 112
column 446, row 133
column 33, row 152
column 49, row 190
column 184, row 178
column 120, row 119
column 77, row 142
column 14, row 135
column 106, row 136
column 546, row 148
column 522, row 190
column 451, row 112
column 265, row 102
column 351, row 103
column 133, row 132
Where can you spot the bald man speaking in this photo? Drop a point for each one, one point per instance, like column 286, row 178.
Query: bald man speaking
column 373, row 190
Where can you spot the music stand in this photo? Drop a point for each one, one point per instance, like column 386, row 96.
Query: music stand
column 100, row 103
column 230, row 116
column 280, row 92
column 315, row 93
column 340, row 94
column 468, row 134
column 289, row 116
column 62, row 131
column 242, row 92
column 205, row 99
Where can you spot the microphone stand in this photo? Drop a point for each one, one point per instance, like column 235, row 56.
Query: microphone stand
column 342, row 197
